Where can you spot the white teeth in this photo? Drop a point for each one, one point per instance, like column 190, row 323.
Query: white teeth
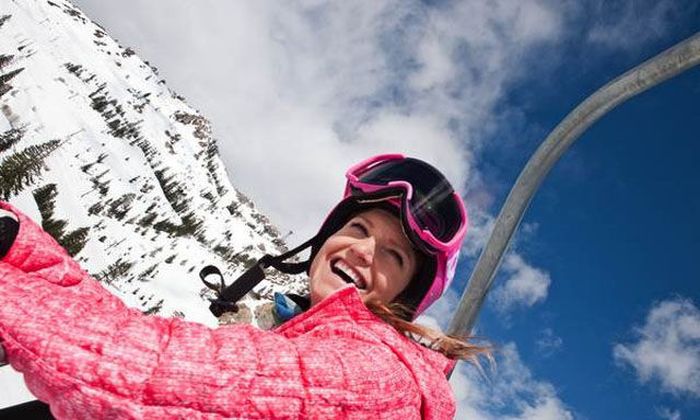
column 351, row 273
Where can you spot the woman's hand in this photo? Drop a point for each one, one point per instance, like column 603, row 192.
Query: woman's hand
column 31, row 250
column 9, row 225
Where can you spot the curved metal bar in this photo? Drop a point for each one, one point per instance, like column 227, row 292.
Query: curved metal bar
column 669, row 63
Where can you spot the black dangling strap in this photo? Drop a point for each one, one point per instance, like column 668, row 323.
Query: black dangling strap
column 209, row 270
column 290, row 268
column 227, row 296
column 246, row 281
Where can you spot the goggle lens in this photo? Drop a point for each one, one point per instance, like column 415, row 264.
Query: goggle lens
column 432, row 204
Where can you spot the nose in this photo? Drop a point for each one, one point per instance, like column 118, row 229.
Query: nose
column 363, row 251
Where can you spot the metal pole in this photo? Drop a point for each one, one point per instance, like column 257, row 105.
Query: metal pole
column 669, row 63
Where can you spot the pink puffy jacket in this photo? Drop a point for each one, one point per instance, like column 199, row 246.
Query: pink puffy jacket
column 89, row 356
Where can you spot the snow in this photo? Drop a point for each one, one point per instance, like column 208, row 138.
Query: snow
column 95, row 168
column 12, row 388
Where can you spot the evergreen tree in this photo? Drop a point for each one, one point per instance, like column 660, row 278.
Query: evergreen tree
column 173, row 191
column 75, row 241
column 4, row 88
column 45, row 200
column 10, row 137
column 121, row 206
column 76, row 69
column 114, row 271
column 5, row 59
column 4, row 78
column 154, row 309
column 20, row 169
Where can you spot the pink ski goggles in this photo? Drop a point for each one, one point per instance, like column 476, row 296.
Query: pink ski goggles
column 433, row 214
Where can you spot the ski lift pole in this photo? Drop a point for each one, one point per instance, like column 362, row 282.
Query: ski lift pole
column 666, row 65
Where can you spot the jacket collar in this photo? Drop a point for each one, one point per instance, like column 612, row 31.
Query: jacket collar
column 343, row 304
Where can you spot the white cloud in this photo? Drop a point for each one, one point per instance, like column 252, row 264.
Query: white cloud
column 548, row 408
column 629, row 25
column 480, row 226
column 667, row 348
column 548, row 343
column 511, row 392
column 525, row 285
column 669, row 414
column 297, row 91
column 437, row 68
column 440, row 313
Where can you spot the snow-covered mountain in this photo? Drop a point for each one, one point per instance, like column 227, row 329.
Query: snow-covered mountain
column 118, row 167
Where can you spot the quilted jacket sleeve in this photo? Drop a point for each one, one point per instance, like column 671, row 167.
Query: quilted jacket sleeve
column 89, row 356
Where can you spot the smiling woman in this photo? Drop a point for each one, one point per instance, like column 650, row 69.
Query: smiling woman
column 371, row 252
column 382, row 256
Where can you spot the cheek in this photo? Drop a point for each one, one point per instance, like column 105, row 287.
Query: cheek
column 321, row 256
column 399, row 286
column 389, row 286
column 315, row 269
column 315, row 285
column 319, row 267
column 394, row 282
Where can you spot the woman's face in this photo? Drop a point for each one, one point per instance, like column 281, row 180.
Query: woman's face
column 371, row 252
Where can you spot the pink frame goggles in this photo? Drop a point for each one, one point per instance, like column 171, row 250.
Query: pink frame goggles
column 433, row 213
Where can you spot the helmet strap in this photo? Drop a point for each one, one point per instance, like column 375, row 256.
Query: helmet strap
column 227, row 296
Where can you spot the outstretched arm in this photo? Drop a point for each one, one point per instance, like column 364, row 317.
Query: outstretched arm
column 89, row 356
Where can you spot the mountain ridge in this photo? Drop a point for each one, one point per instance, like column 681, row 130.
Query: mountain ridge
column 119, row 168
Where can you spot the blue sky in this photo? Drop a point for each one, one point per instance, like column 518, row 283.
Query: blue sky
column 618, row 232
column 616, row 229
column 604, row 264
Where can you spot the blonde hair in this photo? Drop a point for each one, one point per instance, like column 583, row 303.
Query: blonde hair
column 454, row 347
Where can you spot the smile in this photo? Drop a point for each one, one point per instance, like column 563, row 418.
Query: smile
column 348, row 274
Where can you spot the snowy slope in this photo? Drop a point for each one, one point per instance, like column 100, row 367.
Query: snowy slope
column 134, row 164
column 120, row 167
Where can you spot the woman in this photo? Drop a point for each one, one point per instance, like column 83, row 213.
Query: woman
column 382, row 256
